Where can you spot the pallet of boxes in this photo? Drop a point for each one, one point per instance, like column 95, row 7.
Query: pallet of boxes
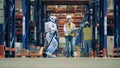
column 34, row 51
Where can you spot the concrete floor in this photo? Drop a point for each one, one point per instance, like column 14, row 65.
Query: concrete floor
column 60, row 63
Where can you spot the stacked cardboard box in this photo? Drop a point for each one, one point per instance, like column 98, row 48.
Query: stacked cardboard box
column 1, row 51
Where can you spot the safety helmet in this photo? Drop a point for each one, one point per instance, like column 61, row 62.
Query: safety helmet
column 86, row 23
column 69, row 17
column 53, row 19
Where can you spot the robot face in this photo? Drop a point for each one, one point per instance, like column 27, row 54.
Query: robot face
column 53, row 19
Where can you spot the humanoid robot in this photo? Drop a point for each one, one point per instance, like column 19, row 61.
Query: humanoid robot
column 51, row 33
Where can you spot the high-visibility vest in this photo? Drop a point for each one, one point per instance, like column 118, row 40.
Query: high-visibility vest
column 87, row 33
column 70, row 27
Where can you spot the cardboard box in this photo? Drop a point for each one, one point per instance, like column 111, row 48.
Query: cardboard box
column 2, row 51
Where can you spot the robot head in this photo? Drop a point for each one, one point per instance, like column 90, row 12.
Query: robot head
column 53, row 19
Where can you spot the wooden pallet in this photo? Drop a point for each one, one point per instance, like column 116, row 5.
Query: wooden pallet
column 116, row 52
column 13, row 50
column 10, row 49
column 30, row 54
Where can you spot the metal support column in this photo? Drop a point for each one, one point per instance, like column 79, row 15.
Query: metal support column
column 23, row 23
column 7, row 27
column 10, row 28
column 118, row 23
column 104, row 29
column 100, row 13
column 115, row 24
column 13, row 27
column 42, row 25
column 36, row 20
column 94, row 25
column 26, row 23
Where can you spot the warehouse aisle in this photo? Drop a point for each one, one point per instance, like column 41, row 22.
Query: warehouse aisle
column 60, row 63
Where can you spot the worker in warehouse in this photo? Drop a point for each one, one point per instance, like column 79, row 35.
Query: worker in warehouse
column 87, row 38
column 69, row 28
column 51, row 34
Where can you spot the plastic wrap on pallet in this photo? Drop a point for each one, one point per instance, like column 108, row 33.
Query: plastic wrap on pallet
column 34, row 49
column 1, row 11
column 18, row 47
column 1, row 4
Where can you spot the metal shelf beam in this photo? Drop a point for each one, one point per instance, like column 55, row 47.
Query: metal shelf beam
column 65, row 2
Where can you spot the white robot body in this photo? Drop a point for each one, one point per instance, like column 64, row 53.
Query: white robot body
column 50, row 29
